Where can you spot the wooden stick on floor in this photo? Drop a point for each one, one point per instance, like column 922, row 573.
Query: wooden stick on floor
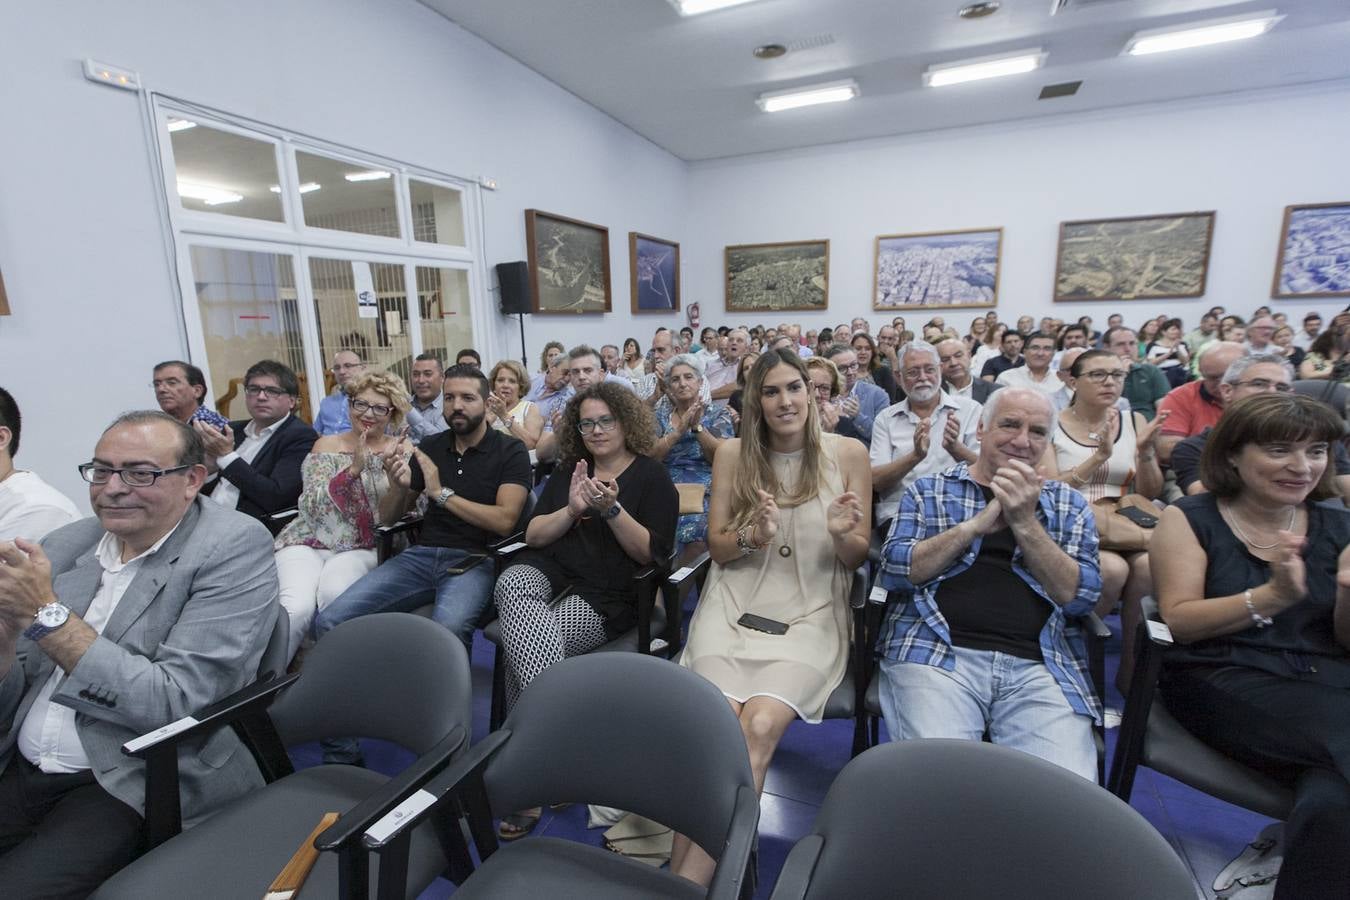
column 288, row 883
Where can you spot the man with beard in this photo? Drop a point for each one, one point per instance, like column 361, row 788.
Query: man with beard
column 927, row 432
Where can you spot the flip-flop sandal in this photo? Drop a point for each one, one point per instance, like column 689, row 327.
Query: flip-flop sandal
column 515, row 826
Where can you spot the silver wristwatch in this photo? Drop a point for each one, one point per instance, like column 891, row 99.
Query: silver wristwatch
column 441, row 498
column 48, row 619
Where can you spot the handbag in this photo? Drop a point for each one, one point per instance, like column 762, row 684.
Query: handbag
column 1115, row 531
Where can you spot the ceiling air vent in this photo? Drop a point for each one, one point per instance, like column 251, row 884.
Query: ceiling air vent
column 1063, row 89
column 811, row 43
column 1059, row 6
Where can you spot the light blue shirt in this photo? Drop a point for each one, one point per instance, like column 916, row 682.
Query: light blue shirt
column 872, row 400
column 332, row 417
column 424, row 421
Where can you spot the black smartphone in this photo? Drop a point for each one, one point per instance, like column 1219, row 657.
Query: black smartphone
column 1138, row 516
column 466, row 564
column 759, row 623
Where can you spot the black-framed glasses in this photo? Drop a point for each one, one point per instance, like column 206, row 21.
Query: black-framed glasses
column 97, row 473
column 1265, row 384
column 254, row 390
column 604, row 423
column 1100, row 376
column 378, row 409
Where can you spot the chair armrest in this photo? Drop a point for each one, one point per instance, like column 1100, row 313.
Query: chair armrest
column 517, row 538
column 507, row 549
column 1094, row 627
column 284, row 515
column 685, row 578
column 733, row 866
column 409, row 521
column 246, row 701
column 647, row 583
column 1150, row 641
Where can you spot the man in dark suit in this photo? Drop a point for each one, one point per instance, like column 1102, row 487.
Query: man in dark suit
column 956, row 377
column 113, row 627
column 260, row 463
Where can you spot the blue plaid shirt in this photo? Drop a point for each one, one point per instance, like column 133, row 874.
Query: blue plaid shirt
column 916, row 631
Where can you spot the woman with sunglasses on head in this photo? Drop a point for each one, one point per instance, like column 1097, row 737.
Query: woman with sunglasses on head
column 331, row 542
column 607, row 510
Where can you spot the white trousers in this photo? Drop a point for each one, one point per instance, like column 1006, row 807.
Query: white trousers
column 311, row 579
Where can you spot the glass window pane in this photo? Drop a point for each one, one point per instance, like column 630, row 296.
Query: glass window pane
column 346, row 196
column 362, row 307
column 443, row 294
column 221, row 172
column 437, row 214
column 248, row 307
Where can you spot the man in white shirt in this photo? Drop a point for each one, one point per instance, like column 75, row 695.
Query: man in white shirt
column 113, row 627
column 1312, row 327
column 720, row 374
column 1259, row 333
column 957, row 379
column 927, row 432
column 29, row 507
column 1035, row 371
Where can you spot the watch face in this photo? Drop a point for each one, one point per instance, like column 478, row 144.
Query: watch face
column 52, row 615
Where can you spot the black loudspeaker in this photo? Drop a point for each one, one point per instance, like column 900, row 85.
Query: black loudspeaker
column 514, row 278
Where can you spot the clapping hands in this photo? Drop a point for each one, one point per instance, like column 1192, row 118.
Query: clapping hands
column 843, row 514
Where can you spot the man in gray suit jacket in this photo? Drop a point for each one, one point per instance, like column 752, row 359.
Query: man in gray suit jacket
column 115, row 626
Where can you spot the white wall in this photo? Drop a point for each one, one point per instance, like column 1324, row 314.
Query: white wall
column 1245, row 157
column 81, row 244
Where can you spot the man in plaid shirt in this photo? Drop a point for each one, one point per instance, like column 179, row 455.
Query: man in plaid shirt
column 995, row 558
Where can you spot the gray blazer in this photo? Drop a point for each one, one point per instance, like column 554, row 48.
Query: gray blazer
column 189, row 630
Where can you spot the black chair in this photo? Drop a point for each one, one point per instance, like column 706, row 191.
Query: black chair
column 624, row 730
column 1149, row 736
column 393, row 676
column 946, row 819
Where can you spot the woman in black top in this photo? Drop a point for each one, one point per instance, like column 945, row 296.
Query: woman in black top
column 1254, row 582
column 607, row 511
column 870, row 367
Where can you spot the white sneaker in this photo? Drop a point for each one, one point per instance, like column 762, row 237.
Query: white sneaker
column 1252, row 874
column 1111, row 718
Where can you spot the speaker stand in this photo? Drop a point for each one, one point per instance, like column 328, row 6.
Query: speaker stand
column 523, row 357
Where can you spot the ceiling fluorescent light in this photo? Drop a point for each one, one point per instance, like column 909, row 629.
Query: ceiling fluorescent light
column 1202, row 34
column 371, row 175
column 984, row 67
column 834, row 92
column 174, row 124
column 695, row 7
column 304, row 188
column 211, row 196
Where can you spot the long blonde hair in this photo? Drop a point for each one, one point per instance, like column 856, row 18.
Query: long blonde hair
column 756, row 471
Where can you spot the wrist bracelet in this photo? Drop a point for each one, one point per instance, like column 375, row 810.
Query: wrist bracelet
column 1260, row 620
column 743, row 541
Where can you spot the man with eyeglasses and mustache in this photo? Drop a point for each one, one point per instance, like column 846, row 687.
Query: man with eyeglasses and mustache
column 927, row 432
column 258, row 460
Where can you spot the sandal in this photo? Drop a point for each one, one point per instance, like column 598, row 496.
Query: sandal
column 516, row 825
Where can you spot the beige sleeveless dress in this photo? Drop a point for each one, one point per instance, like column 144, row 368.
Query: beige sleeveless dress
column 807, row 590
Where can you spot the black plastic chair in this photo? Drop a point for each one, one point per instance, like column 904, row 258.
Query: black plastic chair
column 627, row 731
column 1150, row 736
column 392, row 676
column 942, row 819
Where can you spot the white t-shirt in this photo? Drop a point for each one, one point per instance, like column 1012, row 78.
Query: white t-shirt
column 30, row 507
column 1020, row 376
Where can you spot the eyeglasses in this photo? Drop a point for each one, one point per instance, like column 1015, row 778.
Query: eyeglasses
column 1265, row 384
column 95, row 473
column 378, row 409
column 342, row 367
column 167, row 382
column 604, row 423
column 1099, row 376
column 920, row 371
column 254, row 390
column 851, row 367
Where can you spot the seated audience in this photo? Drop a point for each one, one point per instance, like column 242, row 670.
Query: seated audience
column 788, row 524
column 115, row 626
column 1326, row 358
column 1233, row 328
column 989, row 346
column 1283, row 343
column 870, row 368
column 1312, row 328
column 863, row 402
column 634, row 362
column 552, row 352
column 1145, row 383
column 1253, row 578
column 955, row 665
column 180, row 390
column 331, row 542
column 1260, row 331
column 507, row 410
column 332, row 417
column 584, row 369
column 1035, row 370
column 742, row 370
column 927, row 432
column 1196, row 405
column 29, row 507
column 826, row 387
column 424, row 411
column 607, row 511
column 957, row 379
column 721, row 372
column 1010, row 356
column 613, row 360
column 888, row 341
column 259, row 463
column 469, row 357
column 1170, row 354
column 688, row 434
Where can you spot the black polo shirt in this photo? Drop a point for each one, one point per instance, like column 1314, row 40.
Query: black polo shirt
column 495, row 460
column 1000, row 364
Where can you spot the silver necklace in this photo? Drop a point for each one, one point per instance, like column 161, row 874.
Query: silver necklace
column 1092, row 435
column 1231, row 518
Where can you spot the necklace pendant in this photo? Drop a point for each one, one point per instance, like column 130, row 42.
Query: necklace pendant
column 784, row 551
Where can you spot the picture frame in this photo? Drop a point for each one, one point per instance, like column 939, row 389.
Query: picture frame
column 1313, row 258
column 792, row 276
column 653, row 273
column 569, row 264
column 1134, row 258
column 4, row 297
column 937, row 270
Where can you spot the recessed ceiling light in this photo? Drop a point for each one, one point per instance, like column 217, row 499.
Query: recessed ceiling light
column 211, row 196
column 1202, row 34
column 979, row 10
column 371, row 175
column 769, row 51
column 833, row 92
column 304, row 188
column 175, row 124
column 695, row 7
column 984, row 67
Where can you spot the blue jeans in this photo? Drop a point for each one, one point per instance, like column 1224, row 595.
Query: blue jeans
column 1017, row 700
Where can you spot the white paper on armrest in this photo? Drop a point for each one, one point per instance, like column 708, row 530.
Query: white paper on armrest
column 1160, row 632
column 681, row 574
column 382, row 830
column 145, row 740
column 878, row 594
column 512, row 548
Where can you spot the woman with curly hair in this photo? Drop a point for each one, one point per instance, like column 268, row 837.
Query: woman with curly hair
column 331, row 543
column 606, row 511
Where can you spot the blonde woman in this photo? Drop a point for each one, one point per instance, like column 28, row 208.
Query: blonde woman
column 507, row 409
column 331, row 543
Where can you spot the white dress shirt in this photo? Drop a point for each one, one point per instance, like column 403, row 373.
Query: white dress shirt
column 893, row 437
column 226, row 494
column 47, row 738
column 1020, row 376
column 30, row 507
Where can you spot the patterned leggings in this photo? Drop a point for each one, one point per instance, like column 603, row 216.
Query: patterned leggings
column 535, row 635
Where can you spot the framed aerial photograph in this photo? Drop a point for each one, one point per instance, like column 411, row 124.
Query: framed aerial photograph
column 569, row 264
column 1314, row 256
column 654, row 272
column 1139, row 258
column 937, row 270
column 789, row 277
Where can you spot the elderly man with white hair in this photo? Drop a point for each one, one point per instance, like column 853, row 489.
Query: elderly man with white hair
column 720, row 373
